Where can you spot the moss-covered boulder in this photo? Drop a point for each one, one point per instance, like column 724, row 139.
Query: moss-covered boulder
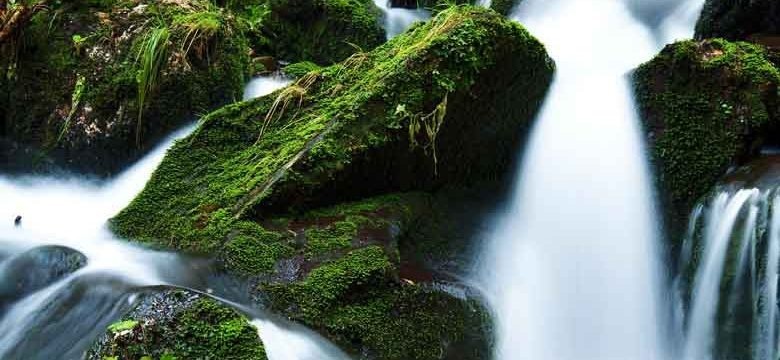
column 738, row 19
column 315, row 191
column 96, row 83
column 705, row 106
column 176, row 324
column 323, row 31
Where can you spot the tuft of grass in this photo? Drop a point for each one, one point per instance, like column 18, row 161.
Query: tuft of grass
column 78, row 93
column 152, row 56
column 200, row 27
column 293, row 93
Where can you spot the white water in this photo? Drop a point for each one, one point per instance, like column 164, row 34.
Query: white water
column 572, row 270
column 720, row 226
column 740, row 222
column 61, row 318
column 397, row 20
column 264, row 85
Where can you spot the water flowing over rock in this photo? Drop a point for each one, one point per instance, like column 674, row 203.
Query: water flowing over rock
column 572, row 269
column 727, row 277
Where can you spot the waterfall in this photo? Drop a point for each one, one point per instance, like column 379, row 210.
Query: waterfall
column 571, row 270
column 735, row 276
column 397, row 20
column 61, row 319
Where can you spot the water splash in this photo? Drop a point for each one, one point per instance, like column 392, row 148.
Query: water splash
column 572, row 270
column 397, row 20
column 264, row 85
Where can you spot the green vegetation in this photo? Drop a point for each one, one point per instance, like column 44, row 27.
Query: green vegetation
column 328, row 175
column 152, row 56
column 705, row 106
column 279, row 153
column 126, row 61
column 503, row 6
column 204, row 329
column 322, row 31
column 300, row 69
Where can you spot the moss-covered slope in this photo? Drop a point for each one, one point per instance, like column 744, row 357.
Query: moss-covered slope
column 323, row 31
column 96, row 83
column 306, row 191
column 706, row 106
column 446, row 103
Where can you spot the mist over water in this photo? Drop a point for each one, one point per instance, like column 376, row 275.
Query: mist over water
column 572, row 270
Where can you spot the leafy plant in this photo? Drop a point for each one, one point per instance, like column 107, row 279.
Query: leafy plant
column 78, row 92
column 152, row 56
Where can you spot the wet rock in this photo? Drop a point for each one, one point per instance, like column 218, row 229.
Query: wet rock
column 35, row 269
column 182, row 325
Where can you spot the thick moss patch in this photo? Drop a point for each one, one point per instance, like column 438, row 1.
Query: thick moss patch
column 74, row 90
column 444, row 103
column 323, row 31
column 706, row 106
column 198, row 328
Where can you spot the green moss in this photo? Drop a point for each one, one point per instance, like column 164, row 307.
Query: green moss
column 202, row 330
column 323, row 31
column 334, row 237
column 354, row 299
column 298, row 148
column 255, row 251
column 300, row 69
column 503, row 6
column 703, row 105
column 122, row 326
column 101, row 127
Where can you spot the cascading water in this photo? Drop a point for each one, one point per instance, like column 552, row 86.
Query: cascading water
column 92, row 278
column 397, row 20
column 571, row 271
column 264, row 85
column 728, row 276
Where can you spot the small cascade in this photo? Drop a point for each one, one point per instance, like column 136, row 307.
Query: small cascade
column 397, row 20
column 727, row 278
column 264, row 85
column 72, row 277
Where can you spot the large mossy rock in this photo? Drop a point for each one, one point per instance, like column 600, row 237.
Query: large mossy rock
column 72, row 90
column 706, row 106
column 323, row 31
column 318, row 191
column 738, row 19
column 177, row 324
